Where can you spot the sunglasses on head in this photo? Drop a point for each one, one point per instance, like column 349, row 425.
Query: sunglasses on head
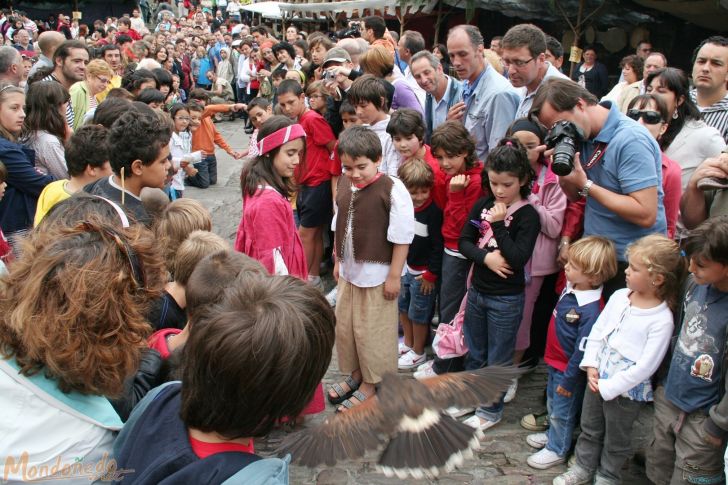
column 650, row 117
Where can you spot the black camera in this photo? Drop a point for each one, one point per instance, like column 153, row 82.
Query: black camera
column 563, row 137
column 351, row 32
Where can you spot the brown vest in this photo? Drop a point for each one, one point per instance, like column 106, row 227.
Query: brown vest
column 368, row 209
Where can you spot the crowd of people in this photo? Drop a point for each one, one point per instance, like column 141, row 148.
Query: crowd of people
column 530, row 214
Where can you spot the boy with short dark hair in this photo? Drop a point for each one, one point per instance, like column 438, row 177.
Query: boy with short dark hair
column 348, row 115
column 139, row 155
column 87, row 159
column 369, row 97
column 424, row 260
column 314, row 200
column 259, row 110
column 407, row 130
column 374, row 226
column 201, row 430
column 691, row 405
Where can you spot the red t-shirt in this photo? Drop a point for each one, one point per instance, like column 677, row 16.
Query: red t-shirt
column 439, row 190
column 203, row 449
column 319, row 166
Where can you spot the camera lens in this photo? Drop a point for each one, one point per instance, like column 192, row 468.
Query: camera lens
column 563, row 157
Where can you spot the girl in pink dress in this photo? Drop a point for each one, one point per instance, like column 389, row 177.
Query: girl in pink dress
column 267, row 231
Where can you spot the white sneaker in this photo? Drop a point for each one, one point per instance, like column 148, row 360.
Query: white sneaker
column 575, row 476
column 456, row 412
column 425, row 373
column 511, row 392
column 544, row 459
column 410, row 360
column 402, row 349
column 480, row 423
column 426, row 365
column 331, row 297
column 537, row 440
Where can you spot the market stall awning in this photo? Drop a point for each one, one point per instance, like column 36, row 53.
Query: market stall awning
column 270, row 10
column 349, row 7
column 709, row 14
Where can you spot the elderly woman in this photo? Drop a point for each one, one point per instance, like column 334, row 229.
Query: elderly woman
column 378, row 62
column 631, row 72
column 83, row 93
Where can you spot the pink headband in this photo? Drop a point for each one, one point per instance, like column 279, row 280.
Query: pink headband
column 280, row 137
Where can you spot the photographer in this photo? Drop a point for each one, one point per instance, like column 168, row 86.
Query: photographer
column 621, row 178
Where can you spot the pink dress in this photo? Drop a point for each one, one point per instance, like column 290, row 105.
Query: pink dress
column 267, row 232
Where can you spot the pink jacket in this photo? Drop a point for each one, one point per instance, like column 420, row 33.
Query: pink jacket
column 550, row 202
column 267, row 233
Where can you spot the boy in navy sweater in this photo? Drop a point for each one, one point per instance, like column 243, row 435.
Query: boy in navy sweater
column 233, row 387
column 424, row 259
column 592, row 261
column 691, row 408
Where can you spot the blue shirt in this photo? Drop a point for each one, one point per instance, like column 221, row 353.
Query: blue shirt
column 491, row 108
column 632, row 161
column 696, row 367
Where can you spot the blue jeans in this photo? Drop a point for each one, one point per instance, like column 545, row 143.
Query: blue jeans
column 412, row 302
column 562, row 412
column 206, row 173
column 490, row 327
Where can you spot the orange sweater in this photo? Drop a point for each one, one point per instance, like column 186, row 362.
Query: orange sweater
column 207, row 136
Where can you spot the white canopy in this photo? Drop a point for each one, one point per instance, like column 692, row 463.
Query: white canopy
column 333, row 8
column 269, row 10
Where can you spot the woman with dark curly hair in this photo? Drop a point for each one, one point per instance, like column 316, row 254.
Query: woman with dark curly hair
column 72, row 331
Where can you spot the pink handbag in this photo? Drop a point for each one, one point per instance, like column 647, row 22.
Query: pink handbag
column 449, row 341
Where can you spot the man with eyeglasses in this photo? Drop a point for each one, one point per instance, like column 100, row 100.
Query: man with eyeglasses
column 524, row 56
column 489, row 102
column 618, row 169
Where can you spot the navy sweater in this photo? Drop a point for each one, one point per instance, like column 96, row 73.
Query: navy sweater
column 25, row 183
column 158, row 449
column 425, row 252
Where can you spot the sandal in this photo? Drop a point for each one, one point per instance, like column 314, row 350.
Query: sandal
column 341, row 394
column 347, row 404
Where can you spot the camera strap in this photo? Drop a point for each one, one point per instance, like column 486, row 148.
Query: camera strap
column 596, row 156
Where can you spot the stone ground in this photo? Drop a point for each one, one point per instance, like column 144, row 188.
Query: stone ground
column 502, row 458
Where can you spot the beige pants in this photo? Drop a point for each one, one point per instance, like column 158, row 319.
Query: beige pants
column 366, row 331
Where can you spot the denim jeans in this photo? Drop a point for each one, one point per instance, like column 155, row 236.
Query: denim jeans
column 562, row 412
column 452, row 291
column 490, row 328
column 202, row 178
column 605, row 442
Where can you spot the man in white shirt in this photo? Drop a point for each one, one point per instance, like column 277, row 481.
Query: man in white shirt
column 442, row 91
column 710, row 76
column 410, row 44
column 523, row 49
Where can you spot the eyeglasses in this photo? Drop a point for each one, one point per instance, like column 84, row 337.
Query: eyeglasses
column 516, row 62
column 103, row 80
column 183, row 118
column 650, row 117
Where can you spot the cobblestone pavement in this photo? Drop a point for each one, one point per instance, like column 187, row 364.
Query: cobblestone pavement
column 502, row 457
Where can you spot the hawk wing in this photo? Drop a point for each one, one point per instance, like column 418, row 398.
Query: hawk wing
column 471, row 388
column 345, row 435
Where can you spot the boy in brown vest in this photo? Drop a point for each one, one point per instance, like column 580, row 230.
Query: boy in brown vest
column 374, row 226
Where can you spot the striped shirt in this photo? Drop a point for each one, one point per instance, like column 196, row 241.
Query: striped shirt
column 70, row 116
column 715, row 115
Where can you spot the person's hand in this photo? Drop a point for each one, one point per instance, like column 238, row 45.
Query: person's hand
column 391, row 287
column 183, row 163
column 592, row 378
column 562, row 392
column 237, row 155
column 498, row 212
column 456, row 112
column 498, row 264
column 263, row 73
column 238, row 107
column 563, row 256
column 715, row 167
column 577, row 178
column 459, row 182
column 426, row 287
